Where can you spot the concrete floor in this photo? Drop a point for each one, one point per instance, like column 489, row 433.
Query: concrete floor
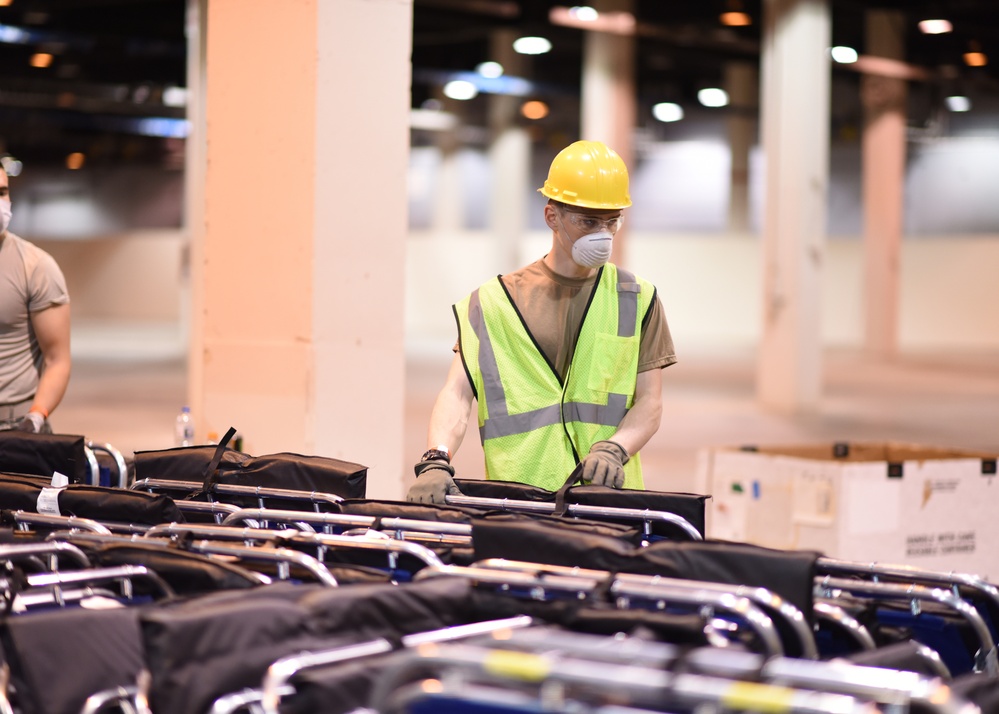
column 947, row 400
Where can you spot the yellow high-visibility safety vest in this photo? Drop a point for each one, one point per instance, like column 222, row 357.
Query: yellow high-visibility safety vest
column 534, row 426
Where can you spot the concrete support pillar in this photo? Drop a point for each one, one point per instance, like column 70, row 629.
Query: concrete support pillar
column 299, row 327
column 192, row 314
column 884, row 150
column 608, row 103
column 795, row 117
column 447, row 219
column 510, row 159
column 743, row 87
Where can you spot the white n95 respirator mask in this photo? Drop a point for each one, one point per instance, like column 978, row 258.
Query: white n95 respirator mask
column 593, row 249
column 4, row 214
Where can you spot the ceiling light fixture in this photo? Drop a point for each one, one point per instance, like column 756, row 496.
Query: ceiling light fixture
column 490, row 70
column 460, row 90
column 175, row 96
column 13, row 35
column 534, row 109
column 935, row 27
column 667, row 112
column 712, row 97
column 843, row 54
column 958, row 103
column 974, row 57
column 584, row 13
column 505, row 84
column 532, row 45
column 585, row 18
column 736, row 19
column 41, row 59
column 166, row 127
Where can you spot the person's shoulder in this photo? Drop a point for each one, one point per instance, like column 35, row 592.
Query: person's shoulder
column 631, row 274
column 529, row 274
column 531, row 270
column 17, row 241
column 25, row 247
column 33, row 257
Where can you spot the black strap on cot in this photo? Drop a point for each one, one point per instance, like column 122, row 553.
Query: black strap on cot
column 560, row 505
column 210, row 476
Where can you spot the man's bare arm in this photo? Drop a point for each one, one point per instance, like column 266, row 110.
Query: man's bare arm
column 51, row 327
column 449, row 418
column 642, row 420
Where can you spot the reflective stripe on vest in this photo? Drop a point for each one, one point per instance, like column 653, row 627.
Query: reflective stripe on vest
column 587, row 420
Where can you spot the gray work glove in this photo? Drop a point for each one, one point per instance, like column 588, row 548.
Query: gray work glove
column 433, row 482
column 32, row 422
column 604, row 465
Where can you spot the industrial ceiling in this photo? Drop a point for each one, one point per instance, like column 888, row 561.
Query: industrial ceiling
column 110, row 89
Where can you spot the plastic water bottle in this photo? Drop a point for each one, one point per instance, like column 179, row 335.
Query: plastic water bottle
column 184, row 428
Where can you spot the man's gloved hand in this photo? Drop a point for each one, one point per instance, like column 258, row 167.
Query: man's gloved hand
column 32, row 423
column 604, row 465
column 433, row 482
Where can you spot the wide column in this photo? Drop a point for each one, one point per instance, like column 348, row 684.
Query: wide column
column 448, row 219
column 607, row 111
column 795, row 111
column 884, row 149
column 743, row 87
column 300, row 343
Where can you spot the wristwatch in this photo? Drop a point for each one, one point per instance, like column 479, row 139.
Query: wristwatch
column 437, row 452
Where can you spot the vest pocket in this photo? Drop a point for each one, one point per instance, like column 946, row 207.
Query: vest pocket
column 613, row 364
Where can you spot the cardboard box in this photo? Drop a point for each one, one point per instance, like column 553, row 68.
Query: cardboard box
column 891, row 503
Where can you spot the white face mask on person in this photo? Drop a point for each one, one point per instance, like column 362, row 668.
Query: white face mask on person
column 4, row 214
column 593, row 249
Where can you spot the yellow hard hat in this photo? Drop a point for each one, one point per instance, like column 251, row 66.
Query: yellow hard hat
column 588, row 174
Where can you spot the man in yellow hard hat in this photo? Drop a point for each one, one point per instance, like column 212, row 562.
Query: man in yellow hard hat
column 563, row 356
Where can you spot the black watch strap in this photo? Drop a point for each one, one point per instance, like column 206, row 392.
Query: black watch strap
column 436, row 454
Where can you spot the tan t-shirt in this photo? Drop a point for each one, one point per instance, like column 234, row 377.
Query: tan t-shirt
column 553, row 305
column 30, row 281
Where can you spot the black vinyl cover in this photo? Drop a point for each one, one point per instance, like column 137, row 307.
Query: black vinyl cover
column 60, row 657
column 290, row 471
column 598, row 618
column 377, row 611
column 115, row 504
column 688, row 506
column 905, row 656
column 338, row 688
column 19, row 492
column 786, row 573
column 98, row 503
column 202, row 648
column 44, row 454
column 187, row 573
column 468, row 514
column 403, row 509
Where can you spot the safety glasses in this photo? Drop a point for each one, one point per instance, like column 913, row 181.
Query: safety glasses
column 592, row 224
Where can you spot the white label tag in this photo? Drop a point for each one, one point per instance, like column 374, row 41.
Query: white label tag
column 48, row 501
column 59, row 480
